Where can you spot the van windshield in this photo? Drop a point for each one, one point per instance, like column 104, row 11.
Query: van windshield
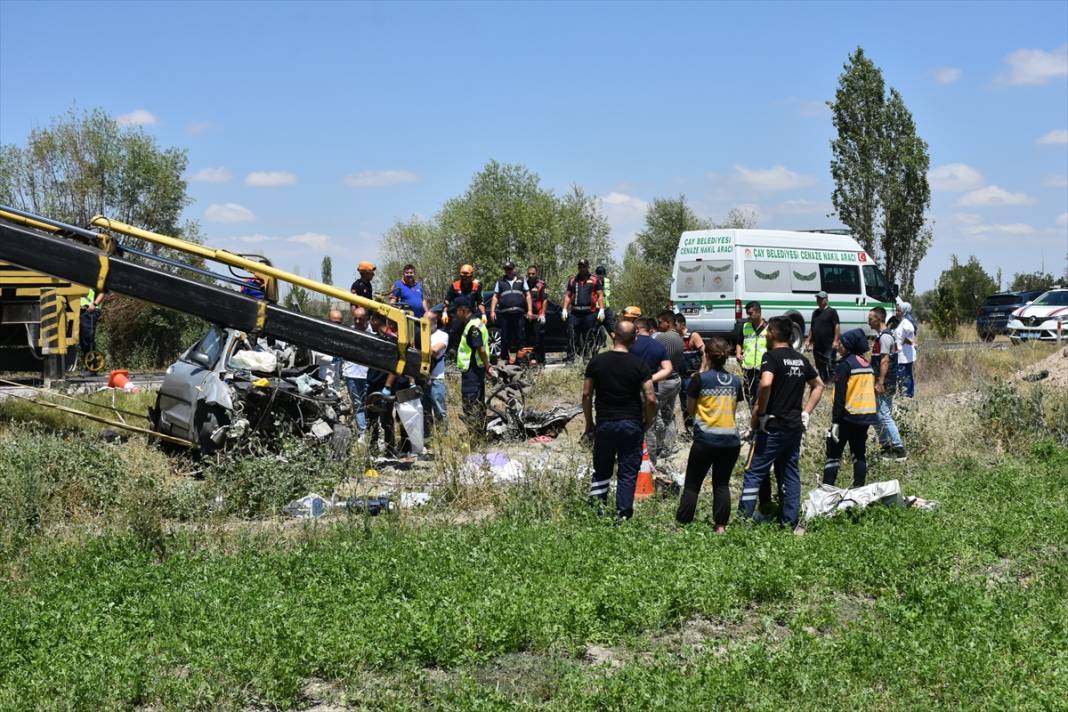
column 1003, row 300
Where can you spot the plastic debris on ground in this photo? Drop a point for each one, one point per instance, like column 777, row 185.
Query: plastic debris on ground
column 497, row 465
column 310, row 506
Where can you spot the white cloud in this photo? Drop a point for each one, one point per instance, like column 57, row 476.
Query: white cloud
column 774, row 178
column 800, row 206
column 253, row 239
column 269, row 179
column 812, row 107
column 199, row 127
column 993, row 195
column 954, row 178
column 211, row 175
column 946, row 75
column 379, row 179
column 1062, row 220
column 1009, row 229
column 314, row 240
column 967, row 218
column 1055, row 181
column 620, row 207
column 1054, row 137
column 1035, row 66
column 137, row 117
column 228, row 213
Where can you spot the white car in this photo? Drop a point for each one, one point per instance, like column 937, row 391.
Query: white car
column 1045, row 319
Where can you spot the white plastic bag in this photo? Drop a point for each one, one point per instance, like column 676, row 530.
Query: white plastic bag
column 410, row 412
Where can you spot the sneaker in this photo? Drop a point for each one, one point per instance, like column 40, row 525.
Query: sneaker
column 898, row 454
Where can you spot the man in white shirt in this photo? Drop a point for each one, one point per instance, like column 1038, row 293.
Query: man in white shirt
column 434, row 399
column 905, row 340
column 355, row 374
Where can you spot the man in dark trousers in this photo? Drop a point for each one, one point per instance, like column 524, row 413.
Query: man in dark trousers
column 472, row 360
column 509, row 307
column 779, row 421
column 582, row 304
column 824, row 333
column 619, row 383
column 535, row 337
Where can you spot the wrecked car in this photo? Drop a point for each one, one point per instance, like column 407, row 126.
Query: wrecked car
column 229, row 385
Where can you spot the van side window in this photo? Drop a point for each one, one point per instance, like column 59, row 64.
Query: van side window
column 767, row 276
column 876, row 285
column 840, row 279
column 804, row 278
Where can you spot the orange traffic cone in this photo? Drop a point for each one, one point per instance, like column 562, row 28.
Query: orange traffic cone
column 120, row 378
column 644, row 488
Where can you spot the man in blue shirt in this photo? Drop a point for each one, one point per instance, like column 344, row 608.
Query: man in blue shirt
column 409, row 292
column 655, row 357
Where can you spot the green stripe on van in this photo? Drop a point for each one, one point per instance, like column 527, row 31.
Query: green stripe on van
column 789, row 304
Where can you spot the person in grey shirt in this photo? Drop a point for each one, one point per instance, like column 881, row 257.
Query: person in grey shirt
column 667, row 390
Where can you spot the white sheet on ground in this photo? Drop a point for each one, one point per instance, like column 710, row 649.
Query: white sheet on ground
column 827, row 500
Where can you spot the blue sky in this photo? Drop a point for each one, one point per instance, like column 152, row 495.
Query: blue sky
column 313, row 127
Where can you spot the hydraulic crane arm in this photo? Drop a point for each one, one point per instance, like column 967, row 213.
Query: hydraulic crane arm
column 94, row 259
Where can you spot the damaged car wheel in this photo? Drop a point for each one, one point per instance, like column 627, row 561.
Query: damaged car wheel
column 210, row 429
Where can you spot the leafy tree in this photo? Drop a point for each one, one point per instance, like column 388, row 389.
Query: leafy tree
column 649, row 259
column 858, row 112
column 879, row 165
column 326, row 271
column 943, row 312
column 504, row 214
column 963, row 287
column 904, row 195
column 84, row 164
column 1028, row 281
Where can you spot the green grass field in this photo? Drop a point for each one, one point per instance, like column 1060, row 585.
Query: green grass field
column 965, row 607
column 127, row 584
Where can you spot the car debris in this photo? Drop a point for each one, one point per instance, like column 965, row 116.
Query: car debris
column 231, row 385
column 507, row 414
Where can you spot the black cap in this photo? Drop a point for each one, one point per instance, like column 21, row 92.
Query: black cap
column 462, row 301
column 584, row 262
column 509, row 265
column 601, row 270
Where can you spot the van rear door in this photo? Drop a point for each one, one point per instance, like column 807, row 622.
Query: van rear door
column 704, row 290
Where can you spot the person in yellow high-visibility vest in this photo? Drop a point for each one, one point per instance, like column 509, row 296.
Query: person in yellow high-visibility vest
column 751, row 343
column 90, row 312
column 472, row 359
column 854, row 410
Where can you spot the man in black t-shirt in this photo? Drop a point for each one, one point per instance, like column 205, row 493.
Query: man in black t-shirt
column 779, row 421
column 620, row 384
column 824, row 334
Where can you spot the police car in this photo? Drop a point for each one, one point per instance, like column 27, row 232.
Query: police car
column 1045, row 319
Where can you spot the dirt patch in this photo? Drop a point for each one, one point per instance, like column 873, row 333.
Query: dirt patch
column 1055, row 366
column 322, row 696
column 601, row 655
column 699, row 634
column 522, row 675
